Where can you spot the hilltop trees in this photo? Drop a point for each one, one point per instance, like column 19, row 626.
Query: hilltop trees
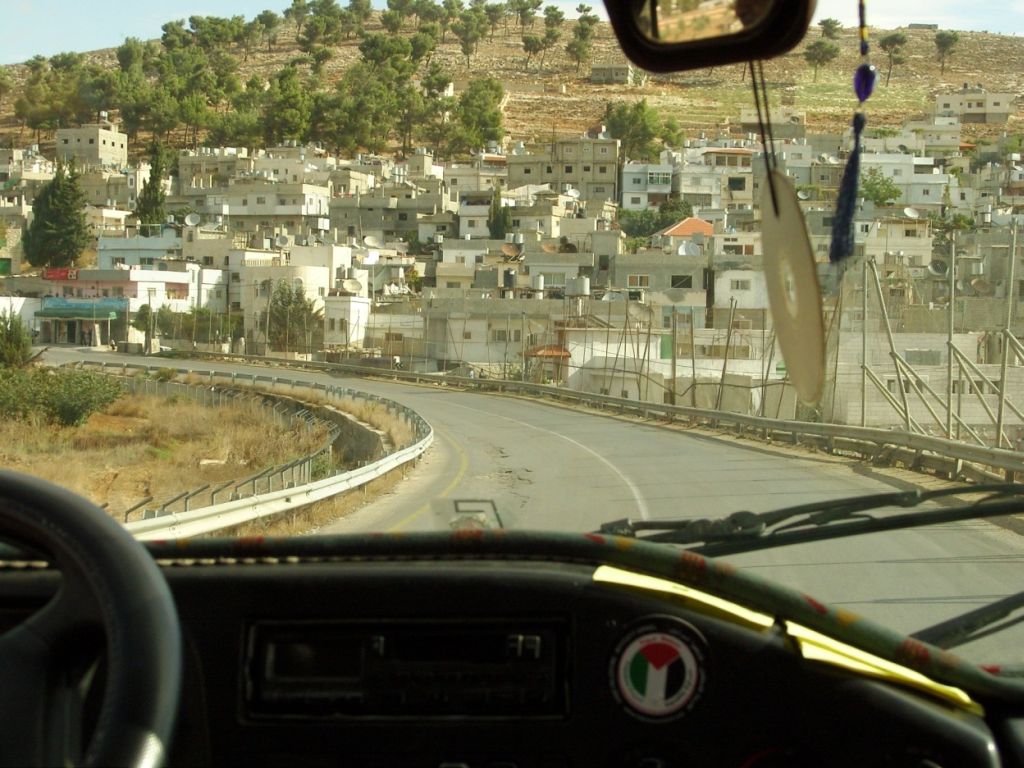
column 830, row 28
column 893, row 45
column 945, row 42
column 58, row 233
column 579, row 48
column 640, row 129
column 819, row 53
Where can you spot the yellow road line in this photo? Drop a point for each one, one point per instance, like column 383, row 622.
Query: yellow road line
column 463, row 468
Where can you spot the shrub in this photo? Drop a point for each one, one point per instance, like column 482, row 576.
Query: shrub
column 165, row 374
column 65, row 397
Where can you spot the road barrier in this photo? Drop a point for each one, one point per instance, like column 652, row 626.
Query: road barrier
column 231, row 514
column 953, row 458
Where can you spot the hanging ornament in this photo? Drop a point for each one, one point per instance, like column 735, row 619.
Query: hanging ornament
column 863, row 86
column 790, row 272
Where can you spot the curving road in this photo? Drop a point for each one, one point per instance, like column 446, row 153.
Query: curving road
column 547, row 467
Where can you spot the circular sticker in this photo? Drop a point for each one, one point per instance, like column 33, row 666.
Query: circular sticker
column 657, row 671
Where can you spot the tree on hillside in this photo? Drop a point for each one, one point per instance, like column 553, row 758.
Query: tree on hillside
column 297, row 13
column 893, row 45
column 640, row 130
column 495, row 13
column 532, row 45
column 878, row 188
column 145, row 321
column 819, row 53
column 830, row 28
column 579, row 51
column 6, row 85
column 270, row 22
column 58, row 233
column 149, row 207
column 478, row 113
column 945, row 41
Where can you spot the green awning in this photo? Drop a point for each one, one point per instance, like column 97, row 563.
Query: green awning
column 76, row 313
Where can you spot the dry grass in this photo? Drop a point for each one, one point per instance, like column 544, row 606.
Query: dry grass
column 309, row 519
column 149, row 446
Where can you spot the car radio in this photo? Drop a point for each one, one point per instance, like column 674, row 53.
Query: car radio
column 378, row 669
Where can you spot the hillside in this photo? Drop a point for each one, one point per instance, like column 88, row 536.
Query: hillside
column 556, row 101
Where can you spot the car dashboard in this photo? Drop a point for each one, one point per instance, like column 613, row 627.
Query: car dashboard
column 504, row 652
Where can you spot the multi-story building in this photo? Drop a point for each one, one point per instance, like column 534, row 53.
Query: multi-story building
column 645, row 185
column 974, row 104
column 93, row 144
column 589, row 165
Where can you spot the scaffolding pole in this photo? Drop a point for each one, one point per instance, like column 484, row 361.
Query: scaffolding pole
column 892, row 346
column 1006, row 346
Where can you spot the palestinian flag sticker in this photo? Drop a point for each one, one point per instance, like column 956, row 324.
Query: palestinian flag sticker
column 657, row 670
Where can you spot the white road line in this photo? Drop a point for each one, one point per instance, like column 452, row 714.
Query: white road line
column 638, row 498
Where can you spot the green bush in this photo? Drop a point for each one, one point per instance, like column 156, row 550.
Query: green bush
column 165, row 374
column 65, row 397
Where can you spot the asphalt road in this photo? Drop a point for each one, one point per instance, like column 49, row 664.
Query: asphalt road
column 552, row 468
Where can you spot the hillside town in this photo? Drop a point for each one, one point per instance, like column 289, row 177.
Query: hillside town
column 515, row 264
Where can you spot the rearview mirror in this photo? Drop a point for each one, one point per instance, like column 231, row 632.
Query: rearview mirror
column 675, row 35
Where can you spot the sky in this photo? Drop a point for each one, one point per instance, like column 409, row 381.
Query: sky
column 47, row 27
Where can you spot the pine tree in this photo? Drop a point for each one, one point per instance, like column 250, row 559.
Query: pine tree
column 58, row 233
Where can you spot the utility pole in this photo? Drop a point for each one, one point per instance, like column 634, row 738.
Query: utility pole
column 949, row 336
column 523, row 344
column 864, row 344
column 675, row 324
column 1006, row 338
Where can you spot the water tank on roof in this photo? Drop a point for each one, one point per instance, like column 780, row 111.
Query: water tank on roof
column 509, row 279
column 537, row 281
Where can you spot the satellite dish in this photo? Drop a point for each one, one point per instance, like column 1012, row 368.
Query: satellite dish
column 573, row 193
column 549, row 248
column 832, row 160
column 282, row 241
column 982, row 286
column 803, row 194
column 350, row 285
column 371, row 242
column 192, row 219
column 688, row 248
column 911, row 213
column 510, row 249
column 613, row 296
column 939, row 268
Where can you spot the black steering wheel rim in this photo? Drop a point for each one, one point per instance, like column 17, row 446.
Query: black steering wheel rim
column 98, row 557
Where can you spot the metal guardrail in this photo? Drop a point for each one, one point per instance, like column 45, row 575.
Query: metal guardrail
column 229, row 514
column 955, row 458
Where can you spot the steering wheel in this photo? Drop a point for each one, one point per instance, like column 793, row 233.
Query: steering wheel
column 109, row 582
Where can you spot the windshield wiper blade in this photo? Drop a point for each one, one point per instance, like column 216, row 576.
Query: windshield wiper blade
column 975, row 624
column 749, row 531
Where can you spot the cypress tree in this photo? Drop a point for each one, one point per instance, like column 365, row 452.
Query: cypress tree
column 58, row 233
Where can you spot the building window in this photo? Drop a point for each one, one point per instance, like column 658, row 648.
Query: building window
column 602, row 169
column 321, row 291
column 452, row 284
column 634, row 200
column 236, row 277
column 547, row 169
column 568, row 169
column 330, row 324
column 403, row 217
column 638, row 281
column 926, row 192
column 526, row 171
column 897, row 172
column 586, row 169
column 682, row 281
column 467, row 335
column 739, row 285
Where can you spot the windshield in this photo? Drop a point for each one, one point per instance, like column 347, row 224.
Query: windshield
column 470, row 261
